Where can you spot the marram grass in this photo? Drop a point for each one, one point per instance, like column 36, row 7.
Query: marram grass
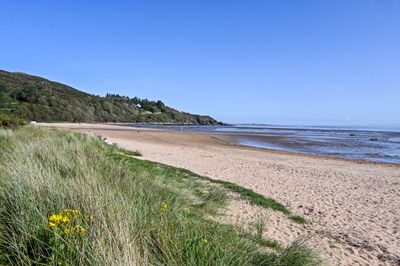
column 68, row 199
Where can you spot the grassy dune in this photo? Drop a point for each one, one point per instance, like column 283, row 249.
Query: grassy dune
column 69, row 199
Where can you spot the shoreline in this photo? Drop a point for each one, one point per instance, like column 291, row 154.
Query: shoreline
column 355, row 202
column 227, row 138
column 313, row 155
column 281, row 142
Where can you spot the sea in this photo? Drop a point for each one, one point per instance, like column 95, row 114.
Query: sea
column 359, row 143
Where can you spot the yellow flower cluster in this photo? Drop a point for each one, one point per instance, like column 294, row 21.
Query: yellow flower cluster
column 163, row 208
column 67, row 221
column 56, row 219
column 75, row 229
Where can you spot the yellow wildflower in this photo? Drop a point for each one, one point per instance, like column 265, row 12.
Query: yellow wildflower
column 205, row 241
column 55, row 218
column 68, row 221
column 79, row 229
column 65, row 219
column 163, row 207
column 52, row 225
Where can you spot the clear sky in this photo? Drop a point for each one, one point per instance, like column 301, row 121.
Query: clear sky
column 276, row 61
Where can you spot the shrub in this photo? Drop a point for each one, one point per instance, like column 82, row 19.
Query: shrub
column 11, row 121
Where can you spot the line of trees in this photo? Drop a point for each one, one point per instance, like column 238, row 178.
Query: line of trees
column 145, row 104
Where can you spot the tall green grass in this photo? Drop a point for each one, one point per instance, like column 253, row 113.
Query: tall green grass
column 246, row 193
column 135, row 212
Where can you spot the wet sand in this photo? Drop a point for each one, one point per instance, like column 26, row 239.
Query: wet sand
column 352, row 206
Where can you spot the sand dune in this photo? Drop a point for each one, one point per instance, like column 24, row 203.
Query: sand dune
column 353, row 206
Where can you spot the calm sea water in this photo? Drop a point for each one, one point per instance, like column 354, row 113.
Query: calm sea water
column 379, row 145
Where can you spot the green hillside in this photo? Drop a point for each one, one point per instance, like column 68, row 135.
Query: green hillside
column 39, row 99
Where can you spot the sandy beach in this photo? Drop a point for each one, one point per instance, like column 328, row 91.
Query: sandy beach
column 352, row 206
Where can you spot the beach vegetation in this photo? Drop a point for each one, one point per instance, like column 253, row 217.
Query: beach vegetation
column 260, row 225
column 69, row 199
column 298, row 254
column 298, row 219
column 270, row 243
column 135, row 153
column 247, row 194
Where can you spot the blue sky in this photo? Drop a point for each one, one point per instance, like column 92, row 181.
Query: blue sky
column 276, row 61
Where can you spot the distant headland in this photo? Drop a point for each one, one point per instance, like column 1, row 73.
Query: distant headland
column 38, row 99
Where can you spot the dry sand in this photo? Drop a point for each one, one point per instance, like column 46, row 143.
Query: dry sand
column 353, row 206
